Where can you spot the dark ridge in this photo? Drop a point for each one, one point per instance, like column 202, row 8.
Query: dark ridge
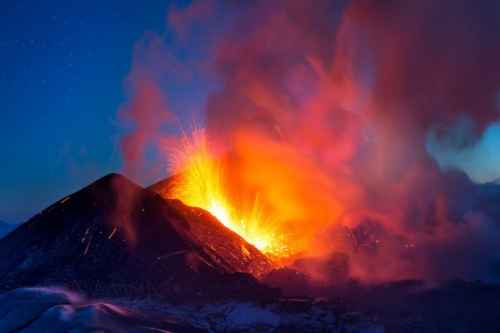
column 164, row 187
column 115, row 237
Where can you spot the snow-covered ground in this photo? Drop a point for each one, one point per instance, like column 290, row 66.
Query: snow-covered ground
column 236, row 316
column 34, row 310
column 58, row 310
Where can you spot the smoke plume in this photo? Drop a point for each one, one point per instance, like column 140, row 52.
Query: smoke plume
column 324, row 109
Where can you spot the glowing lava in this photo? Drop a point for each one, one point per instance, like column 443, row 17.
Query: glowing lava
column 201, row 183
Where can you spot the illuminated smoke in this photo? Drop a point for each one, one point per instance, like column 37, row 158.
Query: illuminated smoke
column 324, row 110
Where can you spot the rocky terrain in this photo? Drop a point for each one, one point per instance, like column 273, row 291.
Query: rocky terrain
column 116, row 257
column 115, row 237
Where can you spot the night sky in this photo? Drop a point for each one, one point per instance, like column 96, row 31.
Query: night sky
column 62, row 83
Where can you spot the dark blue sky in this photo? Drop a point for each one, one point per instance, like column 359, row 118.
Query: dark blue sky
column 62, row 83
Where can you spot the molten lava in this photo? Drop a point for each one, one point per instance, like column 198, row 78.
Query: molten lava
column 202, row 183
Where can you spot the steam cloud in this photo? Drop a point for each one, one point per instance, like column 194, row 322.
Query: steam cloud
column 326, row 108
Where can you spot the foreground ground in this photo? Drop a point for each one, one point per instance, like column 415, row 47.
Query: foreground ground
column 404, row 307
column 57, row 310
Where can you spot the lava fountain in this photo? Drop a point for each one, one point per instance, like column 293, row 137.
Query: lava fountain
column 202, row 182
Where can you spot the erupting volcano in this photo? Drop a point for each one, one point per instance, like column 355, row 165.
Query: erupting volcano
column 329, row 131
column 265, row 150
column 201, row 182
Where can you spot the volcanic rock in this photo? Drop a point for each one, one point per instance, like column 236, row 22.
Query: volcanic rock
column 116, row 237
column 220, row 240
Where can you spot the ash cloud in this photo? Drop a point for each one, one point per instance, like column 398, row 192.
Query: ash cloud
column 355, row 87
column 325, row 108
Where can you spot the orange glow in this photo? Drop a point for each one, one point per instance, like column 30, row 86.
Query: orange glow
column 202, row 184
column 317, row 130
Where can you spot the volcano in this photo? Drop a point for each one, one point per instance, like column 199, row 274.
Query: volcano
column 115, row 236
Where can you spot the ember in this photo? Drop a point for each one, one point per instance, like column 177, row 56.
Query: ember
column 202, row 184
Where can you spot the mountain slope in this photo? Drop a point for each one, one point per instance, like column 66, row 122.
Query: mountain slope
column 115, row 233
column 221, row 241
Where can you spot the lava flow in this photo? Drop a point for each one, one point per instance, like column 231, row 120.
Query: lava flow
column 202, row 183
